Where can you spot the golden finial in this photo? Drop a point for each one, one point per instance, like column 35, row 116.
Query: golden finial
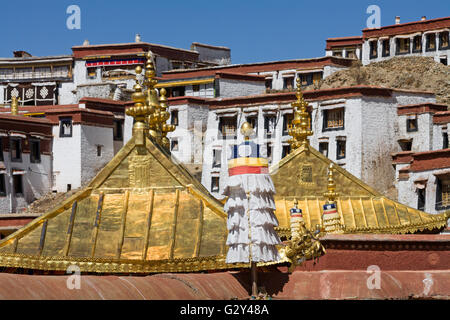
column 299, row 130
column 164, row 116
column 331, row 194
column 139, row 111
column 15, row 106
column 247, row 130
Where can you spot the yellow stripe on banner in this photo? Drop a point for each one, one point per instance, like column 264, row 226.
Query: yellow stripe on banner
column 253, row 162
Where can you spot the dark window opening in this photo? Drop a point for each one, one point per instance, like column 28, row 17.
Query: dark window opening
column 99, row 151
column 2, row 185
column 16, row 149
column 269, row 152
column 178, row 92
column 323, row 148
column 215, row 184
column 287, row 123
column 351, row 54
column 337, row 53
column 306, row 79
column 421, row 199
column 405, row 145
column 118, row 130
column 227, row 127
column 411, row 125
column 443, row 40
column 35, row 151
column 268, row 83
column 288, row 83
column 373, row 49
column 174, row 144
column 333, row 119
column 431, row 42
column 386, row 49
column 18, row 185
column 444, row 61
column 91, row 73
column 65, row 127
column 417, row 44
column 286, row 151
column 196, row 87
column 340, row 149
column 1, row 149
column 254, row 122
column 403, row 45
column 445, row 140
column 174, row 117
column 69, row 187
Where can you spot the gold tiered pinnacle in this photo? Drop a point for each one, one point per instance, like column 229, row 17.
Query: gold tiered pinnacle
column 299, row 130
column 150, row 111
column 331, row 194
column 331, row 218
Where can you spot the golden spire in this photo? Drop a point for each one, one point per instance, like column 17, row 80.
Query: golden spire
column 331, row 194
column 149, row 111
column 299, row 130
column 14, row 106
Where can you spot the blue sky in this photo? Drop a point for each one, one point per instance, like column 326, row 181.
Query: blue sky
column 254, row 30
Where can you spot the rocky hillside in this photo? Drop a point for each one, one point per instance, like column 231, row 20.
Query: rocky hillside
column 421, row 73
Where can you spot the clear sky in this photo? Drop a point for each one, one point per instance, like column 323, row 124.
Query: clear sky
column 254, row 30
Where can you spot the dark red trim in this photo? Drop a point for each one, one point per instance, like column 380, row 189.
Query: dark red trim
column 247, row 170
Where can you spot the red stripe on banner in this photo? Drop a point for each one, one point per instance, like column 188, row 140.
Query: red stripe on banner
column 247, row 169
column 296, row 215
column 329, row 211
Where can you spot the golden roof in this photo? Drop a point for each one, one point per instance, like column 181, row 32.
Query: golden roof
column 302, row 175
column 142, row 213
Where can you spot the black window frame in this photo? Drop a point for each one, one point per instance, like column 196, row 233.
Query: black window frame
column 408, row 125
column 438, row 205
column 266, row 125
column 416, row 49
column 322, row 143
column 11, row 142
column 383, row 48
column 339, row 143
column 253, row 120
column 269, row 83
column 19, row 177
column 285, row 151
column 371, row 44
column 445, row 140
column 35, row 158
column 222, row 133
column 397, row 46
column 286, row 123
column 174, row 120
column 217, row 155
column 178, row 91
column 63, row 120
column 118, row 130
column 213, row 180
column 2, row 184
column 291, row 82
column 421, row 199
column 195, row 88
column 427, row 42
column 174, row 142
column 325, row 119
column 440, row 40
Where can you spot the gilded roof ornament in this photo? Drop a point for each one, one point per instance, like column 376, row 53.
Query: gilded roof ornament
column 300, row 124
column 15, row 106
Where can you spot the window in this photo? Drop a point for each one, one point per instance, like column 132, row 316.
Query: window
column 443, row 40
column 196, row 87
column 444, row 61
column 421, row 199
column 16, row 149
column 306, row 174
column 443, row 193
column 91, row 73
column 288, row 82
column 99, row 151
column 69, row 187
column 174, row 117
column 417, row 44
column 411, row 125
column 217, row 157
column 1, row 149
column 35, row 151
column 286, row 150
column 269, row 152
column 323, row 148
column 2, row 185
column 306, row 79
column 431, row 42
column 340, row 147
column 405, row 145
column 337, row 53
column 227, row 126
column 333, row 119
column 178, row 92
column 269, row 125
column 373, row 45
column 118, row 130
column 402, row 45
column 351, row 54
column 174, row 144
column 445, row 140
column 268, row 83
column 214, row 184
column 317, row 76
column 65, row 127
column 18, row 185
column 386, row 49
column 287, row 119
column 253, row 120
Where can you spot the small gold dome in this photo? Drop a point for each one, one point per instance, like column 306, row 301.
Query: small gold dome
column 247, row 129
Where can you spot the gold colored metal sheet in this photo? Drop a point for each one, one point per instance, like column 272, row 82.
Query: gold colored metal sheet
column 214, row 234
column 56, row 234
column 81, row 244
column 29, row 244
